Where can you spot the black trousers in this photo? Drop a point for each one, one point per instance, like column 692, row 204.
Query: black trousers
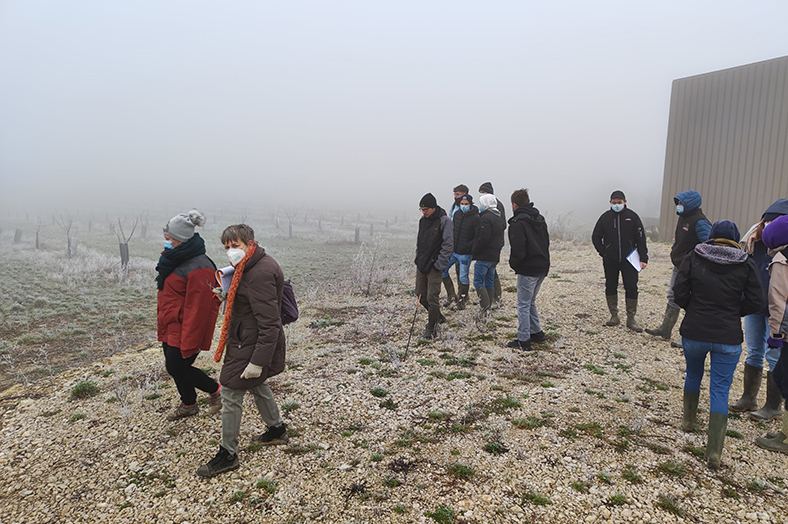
column 186, row 376
column 628, row 274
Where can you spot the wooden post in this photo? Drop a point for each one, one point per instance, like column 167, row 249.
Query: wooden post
column 358, row 235
column 17, row 236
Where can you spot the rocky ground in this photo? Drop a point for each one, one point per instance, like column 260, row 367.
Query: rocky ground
column 585, row 429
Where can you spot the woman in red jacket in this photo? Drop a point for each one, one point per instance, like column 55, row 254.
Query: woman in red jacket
column 187, row 310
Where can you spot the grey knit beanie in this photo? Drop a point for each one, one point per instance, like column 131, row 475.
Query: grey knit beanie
column 181, row 226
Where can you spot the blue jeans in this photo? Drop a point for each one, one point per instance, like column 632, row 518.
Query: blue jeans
column 756, row 330
column 465, row 266
column 527, row 316
column 724, row 358
column 484, row 274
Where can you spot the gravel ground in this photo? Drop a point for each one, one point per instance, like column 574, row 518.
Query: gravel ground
column 461, row 430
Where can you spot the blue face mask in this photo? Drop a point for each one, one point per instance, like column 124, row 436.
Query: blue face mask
column 679, row 209
column 168, row 244
column 617, row 207
column 465, row 209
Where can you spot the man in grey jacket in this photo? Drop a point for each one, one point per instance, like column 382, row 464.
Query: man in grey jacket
column 434, row 246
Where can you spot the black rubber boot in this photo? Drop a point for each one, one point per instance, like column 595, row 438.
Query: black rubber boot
column 462, row 297
column 668, row 321
column 451, row 296
column 752, row 383
column 612, row 305
column 774, row 401
column 632, row 310
column 484, row 298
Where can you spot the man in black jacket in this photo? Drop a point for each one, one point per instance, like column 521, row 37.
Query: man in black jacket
column 530, row 259
column 433, row 251
column 487, row 188
column 617, row 234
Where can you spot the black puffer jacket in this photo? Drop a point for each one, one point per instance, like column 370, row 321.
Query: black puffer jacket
column 489, row 237
column 529, row 242
column 465, row 225
column 435, row 242
column 617, row 234
column 717, row 285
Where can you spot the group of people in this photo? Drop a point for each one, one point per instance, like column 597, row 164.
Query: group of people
column 468, row 233
column 252, row 340
column 718, row 277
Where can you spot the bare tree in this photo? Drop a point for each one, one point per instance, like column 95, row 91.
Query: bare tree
column 291, row 216
column 17, row 236
column 67, row 224
column 38, row 230
column 124, row 243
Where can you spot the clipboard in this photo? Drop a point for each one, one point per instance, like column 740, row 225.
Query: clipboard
column 634, row 259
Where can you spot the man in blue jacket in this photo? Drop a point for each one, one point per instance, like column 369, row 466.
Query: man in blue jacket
column 692, row 229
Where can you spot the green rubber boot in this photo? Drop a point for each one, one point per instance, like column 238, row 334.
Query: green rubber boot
column 718, row 425
column 612, row 305
column 690, row 410
column 779, row 442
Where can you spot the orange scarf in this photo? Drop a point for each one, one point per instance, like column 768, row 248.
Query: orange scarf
column 228, row 308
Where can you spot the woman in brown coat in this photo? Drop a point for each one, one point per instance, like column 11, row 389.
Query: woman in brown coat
column 255, row 345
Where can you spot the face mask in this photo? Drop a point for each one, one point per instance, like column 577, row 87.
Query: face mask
column 617, row 207
column 168, row 244
column 235, row 255
column 679, row 209
column 465, row 209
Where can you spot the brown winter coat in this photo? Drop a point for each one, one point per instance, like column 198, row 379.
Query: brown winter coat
column 256, row 334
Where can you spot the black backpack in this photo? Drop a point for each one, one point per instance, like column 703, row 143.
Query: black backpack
column 289, row 305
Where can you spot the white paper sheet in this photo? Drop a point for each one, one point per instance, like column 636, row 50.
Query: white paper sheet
column 634, row 259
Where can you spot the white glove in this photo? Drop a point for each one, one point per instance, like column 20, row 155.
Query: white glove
column 252, row 371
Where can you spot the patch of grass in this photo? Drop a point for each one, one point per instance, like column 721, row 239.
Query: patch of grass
column 461, row 471
column 376, row 457
column 50, row 413
column 159, row 494
column 458, row 374
column 495, row 448
column 84, row 389
column 624, row 431
column 389, row 404
column 733, row 433
column 426, row 362
column 438, row 415
column 364, row 361
column 153, row 396
column 238, row 496
column 571, row 434
column 591, row 428
column 659, row 449
column 399, row 509
column 699, row 452
column 270, row 486
column 730, row 493
column 105, row 373
column 299, row 449
column 379, row 392
column 756, row 485
column 671, row 505
column 547, row 384
column 596, row 370
column 604, row 477
column 616, row 500
column 535, row 498
column 672, row 468
column 391, row 482
column 289, row 407
column 630, row 473
column 619, row 355
column 443, row 514
column 580, row 486
column 501, row 405
column 76, row 416
column 530, row 423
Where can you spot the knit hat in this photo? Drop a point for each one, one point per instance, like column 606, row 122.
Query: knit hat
column 467, row 197
column 775, row 234
column 486, row 188
column 181, row 226
column 428, row 201
column 725, row 229
column 618, row 194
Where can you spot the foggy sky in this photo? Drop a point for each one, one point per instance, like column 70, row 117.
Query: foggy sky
column 352, row 104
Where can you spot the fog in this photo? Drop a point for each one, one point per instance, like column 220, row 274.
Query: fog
column 351, row 104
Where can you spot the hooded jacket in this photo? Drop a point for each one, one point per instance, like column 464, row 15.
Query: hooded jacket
column 435, row 242
column 464, row 226
column 692, row 228
column 778, row 294
column 529, row 242
column 717, row 285
column 617, row 234
column 256, row 334
column 489, row 237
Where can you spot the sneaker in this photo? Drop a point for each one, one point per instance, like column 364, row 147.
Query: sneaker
column 215, row 402
column 184, row 411
column 223, row 461
column 538, row 337
column 273, row 436
column 524, row 345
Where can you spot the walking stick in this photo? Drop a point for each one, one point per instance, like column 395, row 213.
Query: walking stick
column 413, row 323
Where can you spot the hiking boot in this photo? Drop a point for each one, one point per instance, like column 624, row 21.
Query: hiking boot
column 632, row 309
column 524, row 345
column 184, row 411
column 612, row 305
column 538, row 337
column 668, row 321
column 215, row 402
column 273, row 436
column 223, row 461
column 774, row 400
column 752, row 383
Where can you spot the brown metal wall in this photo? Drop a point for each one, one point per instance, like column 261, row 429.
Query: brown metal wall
column 728, row 140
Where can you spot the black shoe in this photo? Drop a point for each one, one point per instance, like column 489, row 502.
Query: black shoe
column 538, row 337
column 524, row 345
column 273, row 436
column 223, row 461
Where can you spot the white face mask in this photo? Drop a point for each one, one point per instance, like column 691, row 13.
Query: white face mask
column 618, row 208
column 235, row 255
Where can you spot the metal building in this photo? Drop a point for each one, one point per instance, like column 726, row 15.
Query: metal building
column 728, row 140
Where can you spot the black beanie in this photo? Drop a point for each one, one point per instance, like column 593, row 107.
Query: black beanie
column 467, row 197
column 618, row 194
column 428, row 201
column 486, row 188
